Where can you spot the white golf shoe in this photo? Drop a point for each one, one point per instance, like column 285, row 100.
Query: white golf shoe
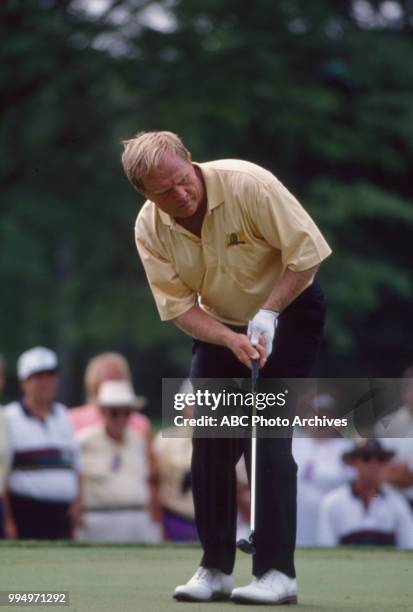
column 206, row 585
column 273, row 587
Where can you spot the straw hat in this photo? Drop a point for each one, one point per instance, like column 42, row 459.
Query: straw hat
column 118, row 394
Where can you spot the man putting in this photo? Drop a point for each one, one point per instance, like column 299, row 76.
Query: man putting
column 230, row 257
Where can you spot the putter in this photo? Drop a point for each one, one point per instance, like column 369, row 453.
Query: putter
column 248, row 546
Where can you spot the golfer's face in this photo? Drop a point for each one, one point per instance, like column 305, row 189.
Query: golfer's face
column 175, row 187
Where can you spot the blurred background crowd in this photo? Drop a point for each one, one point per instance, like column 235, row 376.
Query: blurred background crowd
column 96, row 472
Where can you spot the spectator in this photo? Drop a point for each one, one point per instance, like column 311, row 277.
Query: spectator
column 42, row 498
column 113, row 366
column 317, row 452
column 366, row 511
column 400, row 425
column 173, row 455
column 3, row 445
column 106, row 366
column 116, row 472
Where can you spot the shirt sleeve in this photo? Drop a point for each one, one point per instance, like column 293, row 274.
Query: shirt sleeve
column 285, row 225
column 172, row 296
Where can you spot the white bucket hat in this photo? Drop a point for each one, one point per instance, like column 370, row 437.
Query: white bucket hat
column 118, row 394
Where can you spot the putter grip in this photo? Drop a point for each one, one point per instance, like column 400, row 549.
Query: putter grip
column 255, row 371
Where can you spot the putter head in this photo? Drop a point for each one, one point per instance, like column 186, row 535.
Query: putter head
column 247, row 546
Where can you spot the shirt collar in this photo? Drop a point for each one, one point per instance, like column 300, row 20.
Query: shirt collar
column 30, row 415
column 165, row 218
column 214, row 190
column 380, row 492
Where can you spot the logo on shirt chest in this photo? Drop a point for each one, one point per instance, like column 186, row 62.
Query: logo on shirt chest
column 235, row 238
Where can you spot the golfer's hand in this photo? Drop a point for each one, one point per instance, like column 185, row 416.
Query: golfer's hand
column 243, row 350
column 263, row 325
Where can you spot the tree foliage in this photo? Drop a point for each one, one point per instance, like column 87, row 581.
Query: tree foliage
column 319, row 92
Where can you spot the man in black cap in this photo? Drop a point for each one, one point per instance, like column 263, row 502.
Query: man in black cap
column 366, row 511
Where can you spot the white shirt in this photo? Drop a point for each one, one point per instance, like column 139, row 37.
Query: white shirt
column 344, row 519
column 44, row 454
column 320, row 470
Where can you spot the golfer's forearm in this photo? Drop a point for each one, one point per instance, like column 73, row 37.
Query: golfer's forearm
column 201, row 326
column 288, row 288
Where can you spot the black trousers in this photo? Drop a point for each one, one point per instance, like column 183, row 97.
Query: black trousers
column 297, row 340
column 40, row 520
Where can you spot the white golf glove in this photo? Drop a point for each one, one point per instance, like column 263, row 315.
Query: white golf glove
column 264, row 323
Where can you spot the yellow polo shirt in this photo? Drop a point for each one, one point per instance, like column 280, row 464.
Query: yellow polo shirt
column 252, row 231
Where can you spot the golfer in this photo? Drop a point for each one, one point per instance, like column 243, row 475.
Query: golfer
column 231, row 257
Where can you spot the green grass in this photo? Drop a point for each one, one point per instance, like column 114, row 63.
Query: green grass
column 142, row 578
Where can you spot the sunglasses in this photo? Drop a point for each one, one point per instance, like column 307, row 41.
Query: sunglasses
column 116, row 413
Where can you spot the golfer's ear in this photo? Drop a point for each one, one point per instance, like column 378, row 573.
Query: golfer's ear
column 189, row 156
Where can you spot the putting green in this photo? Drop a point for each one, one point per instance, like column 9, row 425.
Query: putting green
column 141, row 578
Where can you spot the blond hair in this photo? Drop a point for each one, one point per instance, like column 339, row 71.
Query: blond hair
column 143, row 152
column 95, row 365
